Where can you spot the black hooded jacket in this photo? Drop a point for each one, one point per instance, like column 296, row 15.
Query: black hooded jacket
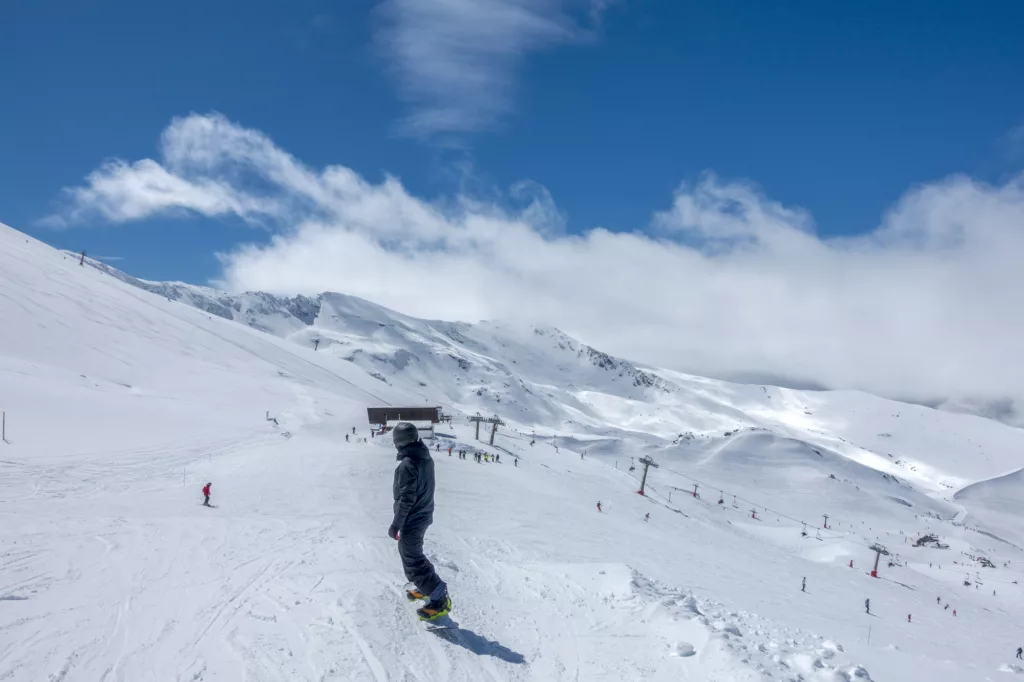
column 414, row 487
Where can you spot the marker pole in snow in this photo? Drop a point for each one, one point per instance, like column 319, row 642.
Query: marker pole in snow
column 695, row 490
column 4, row 428
column 826, row 521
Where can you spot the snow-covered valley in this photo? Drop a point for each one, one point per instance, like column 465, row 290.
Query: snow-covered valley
column 122, row 398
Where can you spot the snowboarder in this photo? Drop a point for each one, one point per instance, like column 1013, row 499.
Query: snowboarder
column 867, row 606
column 647, row 516
column 599, row 505
column 413, row 491
column 206, row 494
column 803, row 585
column 1019, row 652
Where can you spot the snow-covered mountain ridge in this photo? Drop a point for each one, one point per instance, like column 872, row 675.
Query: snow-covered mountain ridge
column 121, row 404
column 548, row 383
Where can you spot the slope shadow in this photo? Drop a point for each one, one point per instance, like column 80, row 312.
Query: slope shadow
column 481, row 646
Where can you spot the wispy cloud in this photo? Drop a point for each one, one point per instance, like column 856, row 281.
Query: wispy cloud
column 456, row 61
column 725, row 280
column 1013, row 142
column 323, row 22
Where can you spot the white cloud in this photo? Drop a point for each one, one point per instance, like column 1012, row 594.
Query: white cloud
column 455, row 61
column 726, row 281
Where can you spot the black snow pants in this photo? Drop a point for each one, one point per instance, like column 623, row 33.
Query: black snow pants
column 207, row 500
column 418, row 569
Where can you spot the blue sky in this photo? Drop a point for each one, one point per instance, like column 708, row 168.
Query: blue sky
column 835, row 109
column 830, row 193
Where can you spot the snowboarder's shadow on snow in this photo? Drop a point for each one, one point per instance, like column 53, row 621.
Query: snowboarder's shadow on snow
column 469, row 640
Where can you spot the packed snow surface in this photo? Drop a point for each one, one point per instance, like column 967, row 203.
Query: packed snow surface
column 123, row 398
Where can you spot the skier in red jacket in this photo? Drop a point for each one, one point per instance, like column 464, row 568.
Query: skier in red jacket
column 206, row 494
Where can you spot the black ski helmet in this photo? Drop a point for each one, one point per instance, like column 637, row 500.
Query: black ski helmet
column 405, row 434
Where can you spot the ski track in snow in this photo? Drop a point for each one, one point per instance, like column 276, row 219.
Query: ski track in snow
column 268, row 597
column 121, row 404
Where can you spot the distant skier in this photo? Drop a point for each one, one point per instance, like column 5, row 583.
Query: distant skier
column 353, row 430
column 206, row 494
column 517, row 461
column 803, row 585
column 599, row 506
column 413, row 491
column 647, row 516
column 938, row 600
column 437, row 447
column 1019, row 652
column 497, row 459
column 908, row 617
column 954, row 613
column 346, row 437
column 867, row 606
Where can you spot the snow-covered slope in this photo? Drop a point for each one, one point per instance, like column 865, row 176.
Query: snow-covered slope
column 997, row 503
column 545, row 382
column 121, row 403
